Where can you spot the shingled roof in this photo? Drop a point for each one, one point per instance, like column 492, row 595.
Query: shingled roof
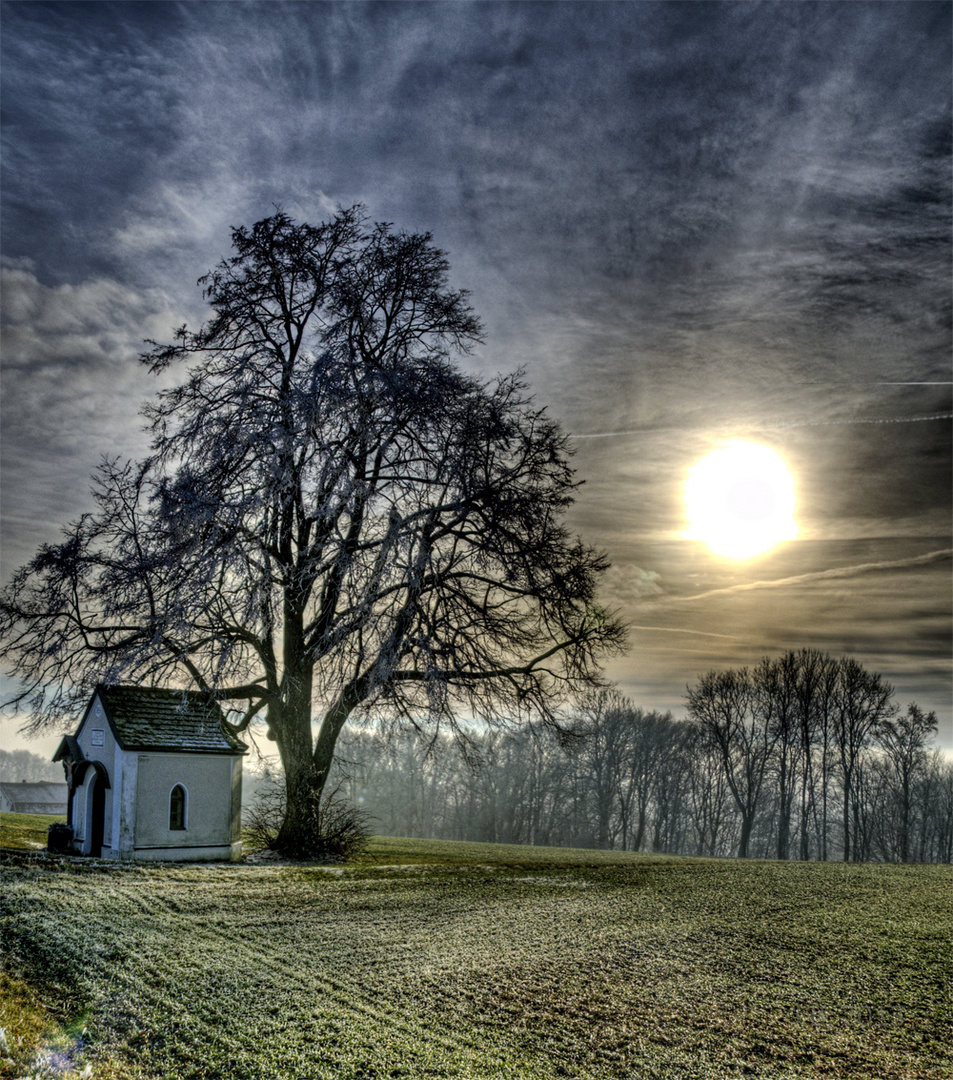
column 152, row 718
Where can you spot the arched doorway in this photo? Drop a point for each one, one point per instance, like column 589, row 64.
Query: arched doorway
column 98, row 817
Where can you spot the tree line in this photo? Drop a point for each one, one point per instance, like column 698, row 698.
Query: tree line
column 17, row 765
column 802, row 757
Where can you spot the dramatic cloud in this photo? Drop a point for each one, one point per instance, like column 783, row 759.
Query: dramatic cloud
column 72, row 388
column 688, row 222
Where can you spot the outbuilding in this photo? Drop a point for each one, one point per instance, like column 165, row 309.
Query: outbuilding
column 153, row 774
column 26, row 797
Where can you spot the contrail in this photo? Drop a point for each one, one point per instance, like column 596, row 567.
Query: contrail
column 678, row 630
column 890, row 420
column 772, row 427
column 820, row 575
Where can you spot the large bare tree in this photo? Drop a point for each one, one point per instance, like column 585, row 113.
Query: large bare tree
column 333, row 518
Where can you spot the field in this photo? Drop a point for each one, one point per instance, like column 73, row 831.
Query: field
column 27, row 832
column 481, row 961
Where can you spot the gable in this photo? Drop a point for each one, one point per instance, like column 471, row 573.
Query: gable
column 95, row 737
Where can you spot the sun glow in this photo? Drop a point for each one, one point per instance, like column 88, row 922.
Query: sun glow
column 740, row 500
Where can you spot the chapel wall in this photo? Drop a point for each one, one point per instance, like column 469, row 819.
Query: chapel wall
column 208, row 781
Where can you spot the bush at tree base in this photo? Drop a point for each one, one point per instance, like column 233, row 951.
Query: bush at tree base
column 334, row 832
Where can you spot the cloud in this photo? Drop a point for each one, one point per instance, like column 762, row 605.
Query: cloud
column 787, row 423
column 628, row 585
column 72, row 387
column 91, row 324
column 682, row 630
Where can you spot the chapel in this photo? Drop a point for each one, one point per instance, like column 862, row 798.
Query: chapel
column 153, row 774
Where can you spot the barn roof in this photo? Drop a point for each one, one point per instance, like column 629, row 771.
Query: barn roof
column 152, row 718
column 46, row 793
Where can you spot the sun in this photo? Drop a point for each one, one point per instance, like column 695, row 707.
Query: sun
column 740, row 500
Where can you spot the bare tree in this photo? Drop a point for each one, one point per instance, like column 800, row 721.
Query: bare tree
column 815, row 680
column 709, row 800
column 333, row 518
column 631, row 779
column 603, row 723
column 653, row 740
column 724, row 705
column 904, row 741
column 863, row 700
column 775, row 687
column 937, row 801
column 670, row 795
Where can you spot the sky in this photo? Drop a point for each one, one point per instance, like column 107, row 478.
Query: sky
column 688, row 224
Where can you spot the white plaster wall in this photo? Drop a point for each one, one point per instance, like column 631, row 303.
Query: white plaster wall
column 127, row 771
column 84, row 804
column 209, row 784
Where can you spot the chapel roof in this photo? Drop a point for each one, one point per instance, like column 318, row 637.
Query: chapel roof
column 154, row 718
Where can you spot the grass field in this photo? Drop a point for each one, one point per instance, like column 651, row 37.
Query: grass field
column 26, row 832
column 482, row 961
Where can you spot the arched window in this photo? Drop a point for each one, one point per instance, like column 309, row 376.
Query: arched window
column 177, row 801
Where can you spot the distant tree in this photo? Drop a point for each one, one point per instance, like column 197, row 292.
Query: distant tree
column 649, row 745
column 499, row 771
column 775, row 688
column 862, row 701
column 904, row 741
column 725, row 706
column 815, row 682
column 603, row 724
column 333, row 518
column 628, row 779
column 18, row 765
column 671, row 795
column 709, row 800
column 538, row 780
column 937, row 837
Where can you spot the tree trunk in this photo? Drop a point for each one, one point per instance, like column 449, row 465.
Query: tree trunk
column 303, row 788
column 846, row 819
column 640, row 830
column 747, row 823
column 306, row 767
column 905, row 819
column 824, row 801
column 784, row 810
column 290, row 721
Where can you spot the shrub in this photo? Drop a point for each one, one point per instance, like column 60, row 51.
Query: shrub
column 334, row 832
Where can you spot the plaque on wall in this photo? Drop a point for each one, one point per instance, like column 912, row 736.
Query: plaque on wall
column 97, row 736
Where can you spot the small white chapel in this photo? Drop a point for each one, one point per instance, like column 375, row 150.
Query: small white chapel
column 153, row 774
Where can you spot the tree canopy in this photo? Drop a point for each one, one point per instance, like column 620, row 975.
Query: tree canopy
column 333, row 518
